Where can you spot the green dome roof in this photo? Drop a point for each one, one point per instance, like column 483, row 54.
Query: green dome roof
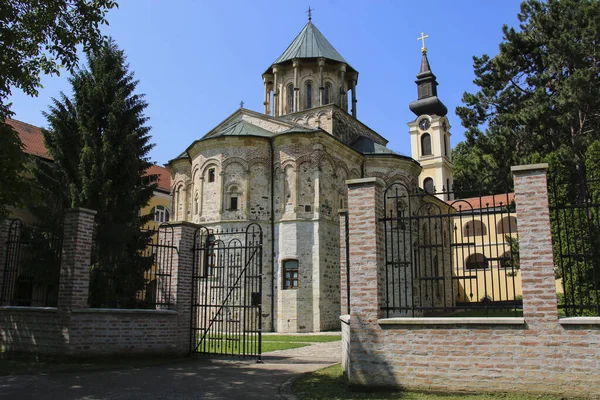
column 310, row 43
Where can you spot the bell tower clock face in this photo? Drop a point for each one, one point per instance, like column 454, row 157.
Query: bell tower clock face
column 424, row 124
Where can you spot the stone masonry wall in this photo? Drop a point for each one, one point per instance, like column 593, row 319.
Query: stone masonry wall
column 538, row 353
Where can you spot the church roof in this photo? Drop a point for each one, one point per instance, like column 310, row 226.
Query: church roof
column 310, row 43
column 242, row 128
column 366, row 145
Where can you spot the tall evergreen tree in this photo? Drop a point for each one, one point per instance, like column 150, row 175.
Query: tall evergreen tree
column 539, row 101
column 37, row 37
column 99, row 141
column 539, row 96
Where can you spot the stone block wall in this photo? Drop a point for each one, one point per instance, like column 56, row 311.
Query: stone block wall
column 538, row 353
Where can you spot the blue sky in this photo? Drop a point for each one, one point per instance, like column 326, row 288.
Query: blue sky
column 196, row 60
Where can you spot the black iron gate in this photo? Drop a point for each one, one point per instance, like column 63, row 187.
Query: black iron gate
column 227, row 292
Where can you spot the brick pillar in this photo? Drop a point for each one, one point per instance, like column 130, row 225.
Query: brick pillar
column 75, row 261
column 343, row 266
column 181, row 282
column 535, row 244
column 365, row 201
column 367, row 259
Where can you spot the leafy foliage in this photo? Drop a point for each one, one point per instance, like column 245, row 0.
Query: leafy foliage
column 13, row 182
column 100, row 142
column 37, row 37
column 540, row 96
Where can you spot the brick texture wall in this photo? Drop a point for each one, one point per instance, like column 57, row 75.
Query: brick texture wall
column 74, row 329
column 536, row 354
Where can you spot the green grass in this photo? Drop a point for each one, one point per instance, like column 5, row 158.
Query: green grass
column 270, row 342
column 301, row 338
column 329, row 383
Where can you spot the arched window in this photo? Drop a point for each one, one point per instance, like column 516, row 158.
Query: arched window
column 426, row 144
column 211, row 175
column 290, row 274
column 290, row 93
column 234, row 199
column 446, row 145
column 161, row 213
column 476, row 261
column 327, row 94
column 308, row 94
column 196, row 204
column 428, row 185
column 507, row 226
column 474, row 228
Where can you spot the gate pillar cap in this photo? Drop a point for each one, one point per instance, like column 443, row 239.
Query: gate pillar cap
column 529, row 167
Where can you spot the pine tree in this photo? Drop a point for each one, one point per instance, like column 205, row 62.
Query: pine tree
column 99, row 141
column 540, row 96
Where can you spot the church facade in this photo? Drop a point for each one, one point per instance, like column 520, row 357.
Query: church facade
column 286, row 169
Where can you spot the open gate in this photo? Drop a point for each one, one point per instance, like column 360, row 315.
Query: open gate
column 227, row 292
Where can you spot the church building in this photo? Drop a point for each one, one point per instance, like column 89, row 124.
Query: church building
column 286, row 168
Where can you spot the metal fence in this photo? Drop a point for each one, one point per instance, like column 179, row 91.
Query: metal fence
column 227, row 291
column 135, row 274
column 575, row 216
column 449, row 253
column 32, row 265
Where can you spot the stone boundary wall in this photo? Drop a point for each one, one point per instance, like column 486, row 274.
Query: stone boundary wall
column 73, row 329
column 538, row 353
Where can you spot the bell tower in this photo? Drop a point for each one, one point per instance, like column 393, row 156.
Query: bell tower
column 430, row 133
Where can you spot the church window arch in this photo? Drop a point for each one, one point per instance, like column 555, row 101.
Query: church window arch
column 428, row 185
column 426, row 144
column 309, row 94
column 233, row 198
column 196, row 204
column 290, row 98
column 327, row 93
column 211, row 174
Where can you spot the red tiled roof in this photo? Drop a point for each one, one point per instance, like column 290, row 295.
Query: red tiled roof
column 485, row 201
column 164, row 177
column 33, row 140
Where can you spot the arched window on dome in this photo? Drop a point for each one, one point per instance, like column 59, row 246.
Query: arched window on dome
column 290, row 95
column 426, row 144
column 327, row 94
column 309, row 94
column 428, row 185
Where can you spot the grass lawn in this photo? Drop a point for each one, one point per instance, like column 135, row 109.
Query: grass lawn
column 270, row 342
column 329, row 383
